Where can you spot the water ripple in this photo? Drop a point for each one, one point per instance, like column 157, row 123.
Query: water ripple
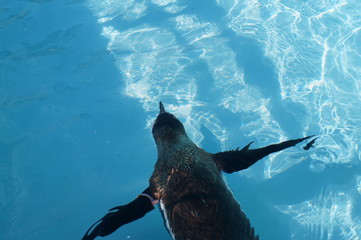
column 228, row 77
column 328, row 216
column 192, row 64
column 314, row 49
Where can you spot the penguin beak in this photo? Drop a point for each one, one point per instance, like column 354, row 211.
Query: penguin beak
column 161, row 108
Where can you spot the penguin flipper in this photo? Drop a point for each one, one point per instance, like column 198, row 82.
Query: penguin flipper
column 236, row 160
column 118, row 216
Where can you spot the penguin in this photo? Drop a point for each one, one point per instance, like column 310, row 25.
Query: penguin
column 187, row 183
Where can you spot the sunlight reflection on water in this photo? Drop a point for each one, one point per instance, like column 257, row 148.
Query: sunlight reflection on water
column 315, row 52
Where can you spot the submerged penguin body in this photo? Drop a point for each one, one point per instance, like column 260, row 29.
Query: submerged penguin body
column 194, row 199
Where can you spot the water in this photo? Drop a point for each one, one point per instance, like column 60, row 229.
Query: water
column 80, row 83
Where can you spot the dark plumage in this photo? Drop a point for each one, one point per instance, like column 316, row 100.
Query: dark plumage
column 195, row 201
column 310, row 144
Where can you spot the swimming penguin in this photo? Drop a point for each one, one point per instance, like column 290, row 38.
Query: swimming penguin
column 195, row 202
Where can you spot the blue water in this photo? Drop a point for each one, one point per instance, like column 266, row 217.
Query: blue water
column 80, row 83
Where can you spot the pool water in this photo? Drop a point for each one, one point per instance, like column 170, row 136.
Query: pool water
column 80, row 82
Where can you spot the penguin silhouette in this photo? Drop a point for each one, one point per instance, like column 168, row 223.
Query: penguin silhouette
column 195, row 202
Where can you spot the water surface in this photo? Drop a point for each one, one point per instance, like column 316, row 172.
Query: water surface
column 80, row 83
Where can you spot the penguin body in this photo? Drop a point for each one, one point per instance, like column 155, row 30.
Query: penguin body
column 195, row 201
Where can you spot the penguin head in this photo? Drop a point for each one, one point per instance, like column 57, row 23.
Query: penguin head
column 167, row 127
